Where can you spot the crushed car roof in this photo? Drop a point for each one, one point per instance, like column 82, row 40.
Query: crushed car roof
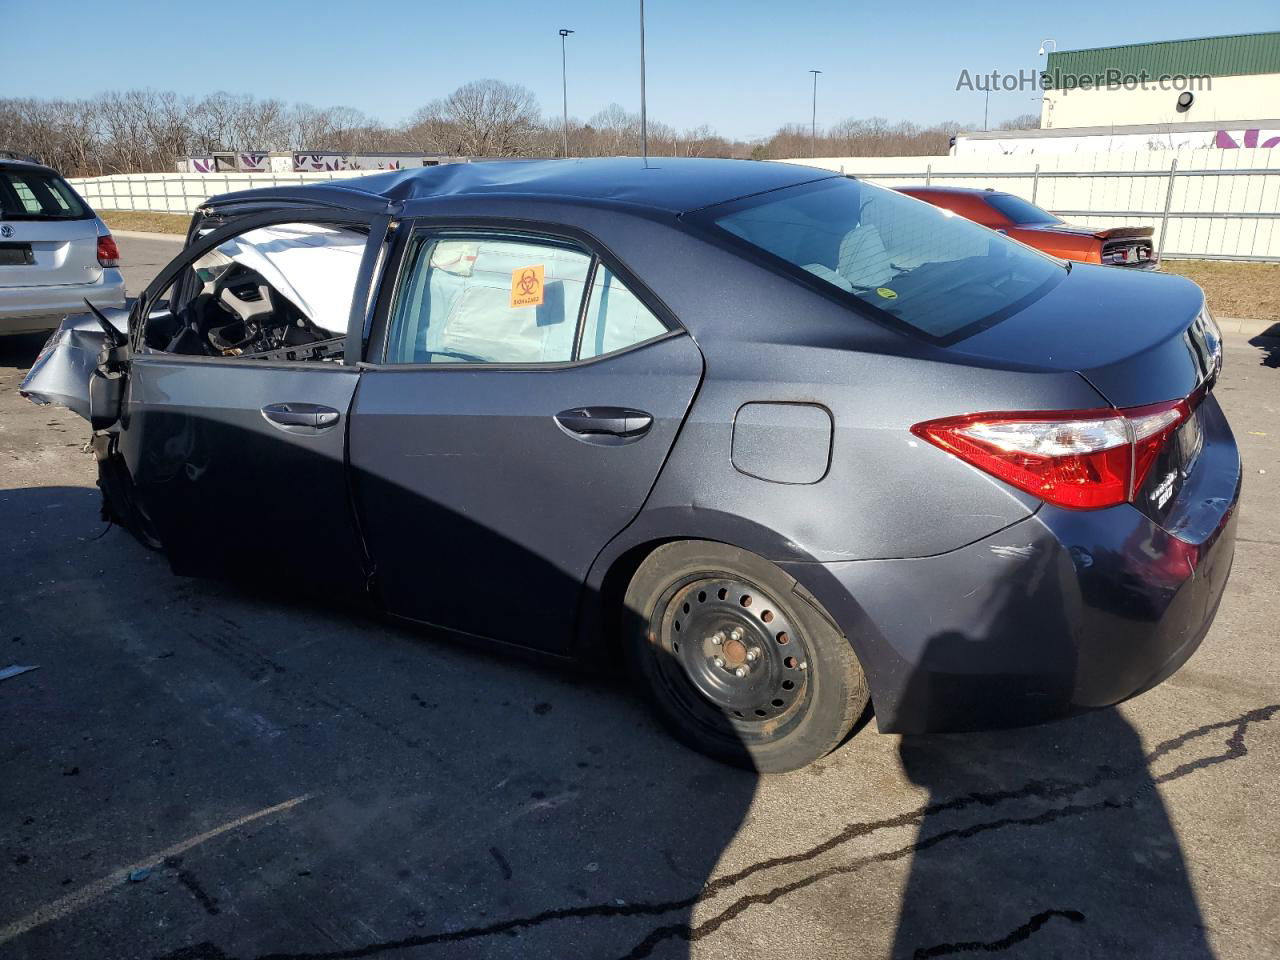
column 672, row 184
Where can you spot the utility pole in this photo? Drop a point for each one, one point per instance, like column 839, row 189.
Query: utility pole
column 644, row 123
column 813, row 121
column 564, row 88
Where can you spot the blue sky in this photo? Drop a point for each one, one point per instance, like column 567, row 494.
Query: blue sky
column 740, row 66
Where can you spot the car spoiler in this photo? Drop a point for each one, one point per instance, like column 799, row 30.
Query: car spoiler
column 1124, row 233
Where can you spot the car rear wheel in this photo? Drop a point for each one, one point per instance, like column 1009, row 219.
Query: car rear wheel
column 737, row 662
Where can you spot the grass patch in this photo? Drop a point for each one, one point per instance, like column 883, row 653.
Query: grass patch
column 1247, row 290
column 146, row 221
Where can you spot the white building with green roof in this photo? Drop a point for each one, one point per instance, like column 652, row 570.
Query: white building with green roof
column 1231, row 80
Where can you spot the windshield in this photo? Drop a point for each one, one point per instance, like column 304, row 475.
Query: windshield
column 914, row 263
column 1019, row 211
column 38, row 195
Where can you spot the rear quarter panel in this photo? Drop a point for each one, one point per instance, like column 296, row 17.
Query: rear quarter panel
column 886, row 493
column 769, row 339
column 1067, row 246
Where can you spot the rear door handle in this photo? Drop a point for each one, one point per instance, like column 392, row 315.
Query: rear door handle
column 621, row 423
column 301, row 417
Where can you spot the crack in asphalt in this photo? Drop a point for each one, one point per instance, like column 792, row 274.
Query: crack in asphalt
column 1005, row 942
column 1049, row 789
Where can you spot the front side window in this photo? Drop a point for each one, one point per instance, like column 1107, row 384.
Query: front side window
column 34, row 195
column 280, row 292
column 510, row 300
column 921, row 266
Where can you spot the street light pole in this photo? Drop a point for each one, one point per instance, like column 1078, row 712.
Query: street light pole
column 644, row 123
column 564, row 89
column 813, row 120
column 1045, row 103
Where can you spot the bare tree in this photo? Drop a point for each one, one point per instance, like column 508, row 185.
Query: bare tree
column 1024, row 121
column 480, row 118
column 141, row 130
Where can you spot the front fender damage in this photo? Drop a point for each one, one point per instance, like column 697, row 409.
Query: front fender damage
column 64, row 367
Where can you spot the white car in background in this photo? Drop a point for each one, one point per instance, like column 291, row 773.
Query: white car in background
column 54, row 251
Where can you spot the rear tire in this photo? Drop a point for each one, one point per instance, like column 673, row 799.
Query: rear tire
column 737, row 662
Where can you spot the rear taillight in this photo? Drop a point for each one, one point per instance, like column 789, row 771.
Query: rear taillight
column 108, row 252
column 1084, row 459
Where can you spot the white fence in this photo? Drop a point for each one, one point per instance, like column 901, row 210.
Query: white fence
column 1210, row 204
column 184, row 192
column 1204, row 204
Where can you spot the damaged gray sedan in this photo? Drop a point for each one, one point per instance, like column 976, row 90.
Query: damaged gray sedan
column 782, row 445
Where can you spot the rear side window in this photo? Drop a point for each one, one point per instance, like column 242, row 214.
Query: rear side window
column 1019, row 211
column 615, row 318
column 35, row 195
column 510, row 300
column 913, row 263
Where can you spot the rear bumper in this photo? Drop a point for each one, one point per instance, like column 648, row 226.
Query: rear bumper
column 1062, row 612
column 27, row 309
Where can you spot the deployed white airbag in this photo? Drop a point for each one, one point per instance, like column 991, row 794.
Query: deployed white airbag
column 313, row 265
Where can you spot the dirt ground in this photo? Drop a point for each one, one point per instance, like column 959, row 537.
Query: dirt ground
column 145, row 221
column 1249, row 290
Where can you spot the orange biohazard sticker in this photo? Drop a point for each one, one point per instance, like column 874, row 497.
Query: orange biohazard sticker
column 526, row 286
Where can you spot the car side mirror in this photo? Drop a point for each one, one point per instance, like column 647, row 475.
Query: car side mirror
column 106, row 394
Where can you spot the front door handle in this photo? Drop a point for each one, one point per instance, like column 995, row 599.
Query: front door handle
column 301, row 417
column 616, row 423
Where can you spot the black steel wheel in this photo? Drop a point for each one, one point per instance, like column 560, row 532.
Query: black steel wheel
column 737, row 663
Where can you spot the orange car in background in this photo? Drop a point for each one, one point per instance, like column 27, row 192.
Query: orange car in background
column 1011, row 215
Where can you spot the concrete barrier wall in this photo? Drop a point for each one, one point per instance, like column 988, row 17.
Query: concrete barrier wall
column 184, row 192
column 1221, row 203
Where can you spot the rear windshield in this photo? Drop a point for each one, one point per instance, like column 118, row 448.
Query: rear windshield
column 913, row 263
column 37, row 195
column 1019, row 211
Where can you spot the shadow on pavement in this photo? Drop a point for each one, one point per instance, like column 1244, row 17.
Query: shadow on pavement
column 1269, row 344
column 1080, row 860
column 434, row 796
column 19, row 351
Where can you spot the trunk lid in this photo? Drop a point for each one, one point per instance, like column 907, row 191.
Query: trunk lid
column 39, row 253
column 48, row 234
column 1138, row 338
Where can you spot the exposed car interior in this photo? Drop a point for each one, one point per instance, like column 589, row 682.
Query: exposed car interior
column 279, row 292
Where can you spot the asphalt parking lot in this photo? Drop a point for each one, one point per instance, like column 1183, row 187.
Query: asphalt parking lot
column 205, row 771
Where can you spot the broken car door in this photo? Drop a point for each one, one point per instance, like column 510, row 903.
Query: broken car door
column 238, row 392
